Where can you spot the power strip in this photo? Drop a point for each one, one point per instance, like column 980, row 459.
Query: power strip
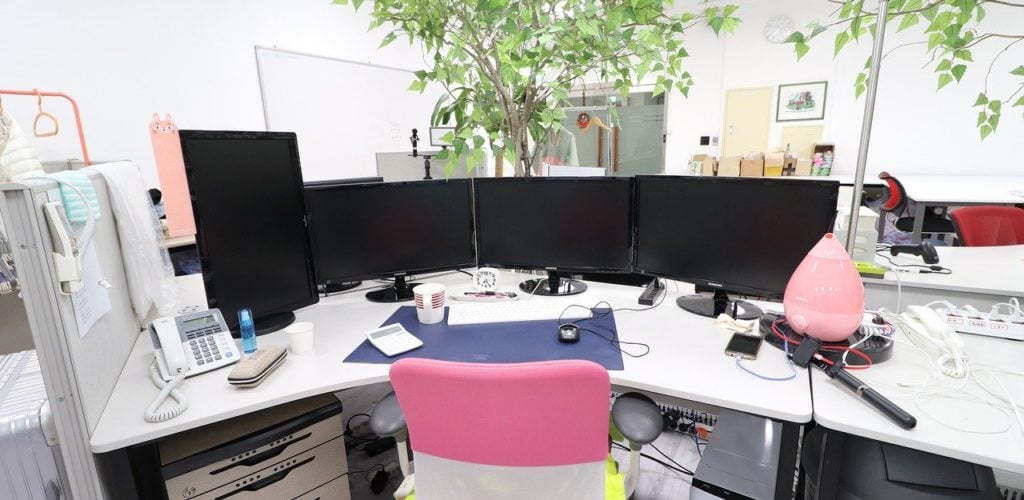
column 982, row 323
column 650, row 294
column 682, row 419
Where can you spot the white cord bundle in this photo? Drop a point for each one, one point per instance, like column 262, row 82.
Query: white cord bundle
column 944, row 352
column 167, row 390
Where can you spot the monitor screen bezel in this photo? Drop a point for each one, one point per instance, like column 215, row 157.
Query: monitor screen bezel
column 209, row 282
column 631, row 217
column 738, row 288
column 396, row 272
column 340, row 182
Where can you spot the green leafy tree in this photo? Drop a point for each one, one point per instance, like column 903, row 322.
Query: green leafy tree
column 949, row 29
column 507, row 67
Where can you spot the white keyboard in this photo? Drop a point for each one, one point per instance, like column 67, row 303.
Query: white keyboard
column 513, row 310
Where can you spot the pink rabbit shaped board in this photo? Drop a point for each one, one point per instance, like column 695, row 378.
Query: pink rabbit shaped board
column 170, row 166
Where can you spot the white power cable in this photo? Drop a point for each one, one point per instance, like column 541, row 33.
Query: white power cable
column 167, row 390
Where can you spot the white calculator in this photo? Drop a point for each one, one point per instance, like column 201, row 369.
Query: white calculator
column 393, row 339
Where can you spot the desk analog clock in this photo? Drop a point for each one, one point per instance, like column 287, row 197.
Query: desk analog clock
column 485, row 279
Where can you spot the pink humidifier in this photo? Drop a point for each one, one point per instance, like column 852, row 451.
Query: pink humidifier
column 825, row 296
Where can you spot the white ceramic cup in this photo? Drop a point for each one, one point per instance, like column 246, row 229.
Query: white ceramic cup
column 430, row 300
column 300, row 337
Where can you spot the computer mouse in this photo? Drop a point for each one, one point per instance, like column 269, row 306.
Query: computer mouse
column 568, row 333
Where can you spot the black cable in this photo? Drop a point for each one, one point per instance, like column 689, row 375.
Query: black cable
column 677, row 464
column 928, row 269
column 467, row 273
column 683, row 470
column 609, row 310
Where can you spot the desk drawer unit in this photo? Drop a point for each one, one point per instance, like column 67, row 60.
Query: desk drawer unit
column 337, row 489
column 284, row 479
column 266, row 459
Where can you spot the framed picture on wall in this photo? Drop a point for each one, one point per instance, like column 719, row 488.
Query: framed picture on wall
column 801, row 101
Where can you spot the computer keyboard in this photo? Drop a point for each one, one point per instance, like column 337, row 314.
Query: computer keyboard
column 513, row 310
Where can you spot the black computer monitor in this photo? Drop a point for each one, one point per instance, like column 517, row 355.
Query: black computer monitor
column 345, row 285
column 562, row 224
column 742, row 235
column 394, row 229
column 247, row 197
column 337, row 182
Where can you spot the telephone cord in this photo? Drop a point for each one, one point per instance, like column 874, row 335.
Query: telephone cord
column 167, row 390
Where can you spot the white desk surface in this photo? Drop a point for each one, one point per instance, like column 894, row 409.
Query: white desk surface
column 965, row 189
column 686, row 361
column 987, row 270
column 837, row 407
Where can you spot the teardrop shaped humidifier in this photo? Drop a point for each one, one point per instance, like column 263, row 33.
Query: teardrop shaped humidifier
column 824, row 298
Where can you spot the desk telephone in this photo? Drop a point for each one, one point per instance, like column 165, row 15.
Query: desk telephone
column 192, row 343
column 184, row 346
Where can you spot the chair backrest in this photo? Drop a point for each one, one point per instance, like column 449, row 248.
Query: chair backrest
column 894, row 197
column 519, row 430
column 986, row 226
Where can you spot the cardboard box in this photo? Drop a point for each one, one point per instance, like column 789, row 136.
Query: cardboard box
column 729, row 166
column 708, row 164
column 774, row 163
column 752, row 167
column 803, row 167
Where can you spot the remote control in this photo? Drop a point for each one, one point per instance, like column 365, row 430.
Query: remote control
column 654, row 290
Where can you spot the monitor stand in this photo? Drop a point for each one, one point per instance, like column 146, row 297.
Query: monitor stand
column 399, row 292
column 268, row 324
column 339, row 287
column 719, row 304
column 553, row 285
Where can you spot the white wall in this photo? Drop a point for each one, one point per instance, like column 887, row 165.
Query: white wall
column 122, row 60
column 916, row 130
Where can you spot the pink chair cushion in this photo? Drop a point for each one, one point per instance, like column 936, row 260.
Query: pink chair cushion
column 516, row 414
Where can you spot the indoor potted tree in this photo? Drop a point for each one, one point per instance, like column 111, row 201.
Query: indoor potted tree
column 507, row 67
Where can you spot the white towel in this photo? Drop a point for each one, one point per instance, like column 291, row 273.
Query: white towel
column 74, row 206
column 147, row 265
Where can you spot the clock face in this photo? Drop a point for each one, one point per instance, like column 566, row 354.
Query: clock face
column 486, row 279
column 778, row 29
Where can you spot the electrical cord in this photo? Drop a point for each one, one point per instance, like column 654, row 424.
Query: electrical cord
column 789, row 363
column 616, row 343
column 677, row 464
column 667, row 465
column 831, row 348
column 167, row 390
column 696, row 444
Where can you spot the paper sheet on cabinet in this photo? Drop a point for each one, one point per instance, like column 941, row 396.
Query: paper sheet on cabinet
column 93, row 300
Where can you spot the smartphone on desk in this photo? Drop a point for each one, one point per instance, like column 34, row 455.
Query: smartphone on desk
column 743, row 346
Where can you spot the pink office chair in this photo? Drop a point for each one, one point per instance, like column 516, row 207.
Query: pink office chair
column 989, row 226
column 525, row 430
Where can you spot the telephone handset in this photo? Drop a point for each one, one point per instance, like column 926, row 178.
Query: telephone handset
column 927, row 325
column 192, row 343
column 184, row 346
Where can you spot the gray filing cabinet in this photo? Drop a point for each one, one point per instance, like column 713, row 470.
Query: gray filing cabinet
column 296, row 450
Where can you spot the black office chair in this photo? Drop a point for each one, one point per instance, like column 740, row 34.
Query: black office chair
column 894, row 202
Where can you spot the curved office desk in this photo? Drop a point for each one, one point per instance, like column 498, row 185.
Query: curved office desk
column 981, row 277
column 686, row 361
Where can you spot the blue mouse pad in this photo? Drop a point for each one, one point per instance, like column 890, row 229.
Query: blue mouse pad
column 501, row 342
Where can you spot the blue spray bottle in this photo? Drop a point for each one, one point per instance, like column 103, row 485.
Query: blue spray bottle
column 248, row 331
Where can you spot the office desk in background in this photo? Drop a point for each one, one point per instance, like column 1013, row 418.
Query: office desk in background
column 686, row 361
column 957, row 190
column 937, row 417
column 981, row 277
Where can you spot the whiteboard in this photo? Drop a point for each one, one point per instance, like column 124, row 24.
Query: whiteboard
column 343, row 112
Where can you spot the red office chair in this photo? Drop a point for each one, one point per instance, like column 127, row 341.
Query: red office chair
column 895, row 202
column 987, row 226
